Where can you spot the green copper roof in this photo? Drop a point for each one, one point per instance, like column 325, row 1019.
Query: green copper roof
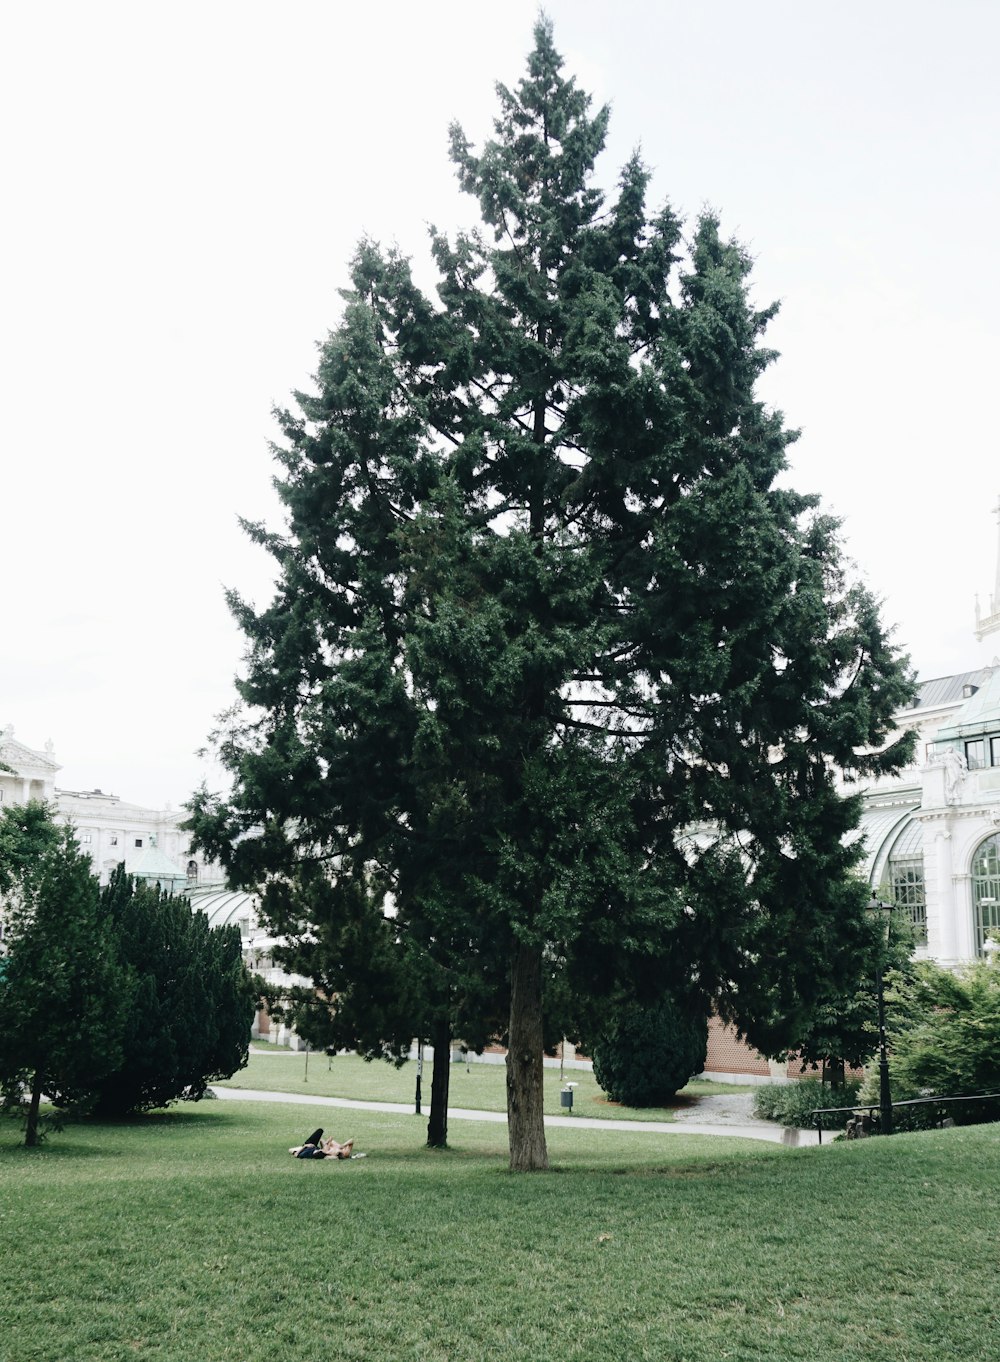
column 151, row 864
column 980, row 714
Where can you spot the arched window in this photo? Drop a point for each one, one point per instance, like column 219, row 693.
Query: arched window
column 903, row 880
column 192, row 872
column 986, row 892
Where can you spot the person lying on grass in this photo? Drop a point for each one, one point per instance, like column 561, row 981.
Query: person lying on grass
column 315, row 1147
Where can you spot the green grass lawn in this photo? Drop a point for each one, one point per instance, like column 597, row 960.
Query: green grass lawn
column 193, row 1237
column 481, row 1087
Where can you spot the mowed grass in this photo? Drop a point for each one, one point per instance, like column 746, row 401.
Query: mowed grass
column 193, row 1237
column 476, row 1086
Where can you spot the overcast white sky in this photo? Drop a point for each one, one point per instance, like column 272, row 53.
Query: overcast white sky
column 183, row 187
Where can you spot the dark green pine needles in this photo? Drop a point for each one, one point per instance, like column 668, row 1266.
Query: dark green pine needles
column 548, row 704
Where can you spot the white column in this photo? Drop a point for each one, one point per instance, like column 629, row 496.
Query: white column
column 947, row 915
column 965, row 937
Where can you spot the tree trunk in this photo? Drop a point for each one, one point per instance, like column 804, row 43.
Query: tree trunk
column 437, row 1125
column 31, row 1130
column 525, row 1094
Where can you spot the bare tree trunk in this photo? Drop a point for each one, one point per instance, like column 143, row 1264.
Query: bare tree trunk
column 31, row 1130
column 437, row 1125
column 525, row 1094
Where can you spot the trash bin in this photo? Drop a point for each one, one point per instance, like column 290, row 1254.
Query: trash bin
column 566, row 1098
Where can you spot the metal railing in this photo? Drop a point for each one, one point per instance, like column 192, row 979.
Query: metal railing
column 872, row 1109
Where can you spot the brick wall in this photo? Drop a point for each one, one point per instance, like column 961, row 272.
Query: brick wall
column 727, row 1054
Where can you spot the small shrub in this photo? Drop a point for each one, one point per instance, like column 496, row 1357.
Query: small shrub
column 648, row 1053
column 792, row 1104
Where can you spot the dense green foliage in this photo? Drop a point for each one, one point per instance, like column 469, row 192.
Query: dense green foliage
column 27, row 832
column 944, row 1039
column 647, row 1053
column 188, row 1004
column 558, row 671
column 842, row 1030
column 115, row 1001
column 792, row 1104
column 162, row 1242
column 62, row 987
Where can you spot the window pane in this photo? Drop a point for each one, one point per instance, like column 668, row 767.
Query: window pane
column 975, row 754
column 906, row 887
column 986, row 892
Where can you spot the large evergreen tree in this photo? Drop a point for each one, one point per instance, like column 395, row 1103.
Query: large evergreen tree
column 62, row 988
column 557, row 675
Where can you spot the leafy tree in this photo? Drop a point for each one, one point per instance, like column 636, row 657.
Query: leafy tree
column 556, row 671
column 26, row 833
column 189, row 1003
column 842, row 1029
column 647, row 1053
column 944, row 1036
column 62, row 990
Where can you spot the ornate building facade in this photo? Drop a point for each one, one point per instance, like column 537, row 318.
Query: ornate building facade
column 109, row 829
column 931, row 832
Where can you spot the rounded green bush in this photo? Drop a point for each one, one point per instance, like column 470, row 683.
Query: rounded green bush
column 647, row 1053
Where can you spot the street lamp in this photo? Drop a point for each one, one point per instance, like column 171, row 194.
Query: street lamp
column 884, row 1093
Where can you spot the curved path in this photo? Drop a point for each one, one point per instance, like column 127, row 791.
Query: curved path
column 746, row 1129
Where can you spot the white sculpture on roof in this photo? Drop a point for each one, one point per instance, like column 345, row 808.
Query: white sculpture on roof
column 955, row 770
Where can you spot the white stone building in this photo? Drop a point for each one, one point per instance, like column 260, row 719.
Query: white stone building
column 109, row 829
column 932, row 832
column 153, row 847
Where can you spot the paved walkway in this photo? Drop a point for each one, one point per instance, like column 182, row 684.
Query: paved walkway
column 731, row 1116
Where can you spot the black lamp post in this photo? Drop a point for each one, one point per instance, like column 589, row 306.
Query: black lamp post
column 884, row 1093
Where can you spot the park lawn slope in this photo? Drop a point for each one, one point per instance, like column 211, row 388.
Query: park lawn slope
column 475, row 1086
column 193, row 1235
